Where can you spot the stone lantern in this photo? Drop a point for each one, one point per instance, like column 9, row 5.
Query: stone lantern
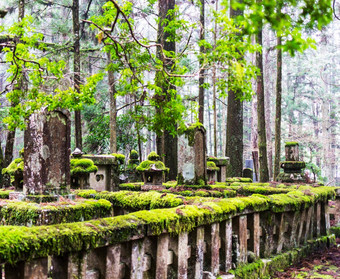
column 212, row 171
column 153, row 171
column 81, row 169
column 292, row 167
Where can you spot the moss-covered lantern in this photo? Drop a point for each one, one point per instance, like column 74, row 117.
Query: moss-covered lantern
column 292, row 167
column 152, row 170
column 15, row 171
column 211, row 171
column 80, row 171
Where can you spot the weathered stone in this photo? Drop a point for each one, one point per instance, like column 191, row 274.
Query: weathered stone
column 192, row 153
column 292, row 151
column 107, row 176
column 137, row 257
column 77, row 265
column 114, row 267
column 247, row 172
column 199, row 252
column 253, row 224
column 215, row 248
column 183, row 256
column 162, row 256
column 226, row 245
column 47, row 153
column 241, row 229
column 35, row 269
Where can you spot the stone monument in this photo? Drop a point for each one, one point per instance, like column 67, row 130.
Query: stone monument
column 47, row 153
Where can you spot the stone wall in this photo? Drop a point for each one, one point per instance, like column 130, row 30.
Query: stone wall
column 190, row 241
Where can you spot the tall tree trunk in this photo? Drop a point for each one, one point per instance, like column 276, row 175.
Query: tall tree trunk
column 167, row 145
column 11, row 134
column 214, row 87
column 113, row 108
column 202, row 72
column 264, row 175
column 278, row 109
column 234, row 142
column 76, row 70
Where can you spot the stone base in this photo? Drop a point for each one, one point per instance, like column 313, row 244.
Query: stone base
column 291, row 178
column 17, row 196
column 152, row 187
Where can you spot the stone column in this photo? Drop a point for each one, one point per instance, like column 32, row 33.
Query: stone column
column 47, row 152
column 192, row 165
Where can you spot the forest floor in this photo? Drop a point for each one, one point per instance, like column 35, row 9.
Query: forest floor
column 323, row 264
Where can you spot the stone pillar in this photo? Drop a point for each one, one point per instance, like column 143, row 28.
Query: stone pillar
column 47, row 152
column 292, row 151
column 192, row 165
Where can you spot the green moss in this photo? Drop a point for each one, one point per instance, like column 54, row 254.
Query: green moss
column 153, row 156
column 250, row 271
column 212, row 159
column 189, row 132
column 291, row 143
column 134, row 200
column 4, row 194
column 264, row 270
column 211, row 166
column 14, row 167
column 136, row 186
column 81, row 166
column 335, row 231
column 148, row 165
column 41, row 198
column 120, row 158
column 134, row 154
column 28, row 213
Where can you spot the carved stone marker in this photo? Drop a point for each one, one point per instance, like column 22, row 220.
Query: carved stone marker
column 292, row 167
column 192, row 164
column 47, row 153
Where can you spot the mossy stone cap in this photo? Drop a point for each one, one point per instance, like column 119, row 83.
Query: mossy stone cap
column 133, row 154
column 291, row 143
column 153, row 156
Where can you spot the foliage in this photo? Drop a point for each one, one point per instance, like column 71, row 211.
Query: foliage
column 41, row 73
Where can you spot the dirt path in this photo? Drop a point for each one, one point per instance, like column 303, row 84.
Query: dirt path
column 321, row 265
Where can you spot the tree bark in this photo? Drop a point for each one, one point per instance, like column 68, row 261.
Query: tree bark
column 278, row 109
column 202, row 72
column 76, row 70
column 262, row 141
column 234, row 142
column 166, row 143
column 113, row 109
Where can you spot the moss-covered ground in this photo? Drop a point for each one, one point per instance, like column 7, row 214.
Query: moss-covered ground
column 322, row 264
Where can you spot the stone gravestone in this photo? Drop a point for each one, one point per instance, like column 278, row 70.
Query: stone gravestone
column 192, row 163
column 47, row 153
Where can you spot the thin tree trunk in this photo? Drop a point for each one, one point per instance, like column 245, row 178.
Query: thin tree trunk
column 278, row 110
column 234, row 142
column 113, row 109
column 264, row 175
column 214, row 88
column 76, row 70
column 202, row 72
